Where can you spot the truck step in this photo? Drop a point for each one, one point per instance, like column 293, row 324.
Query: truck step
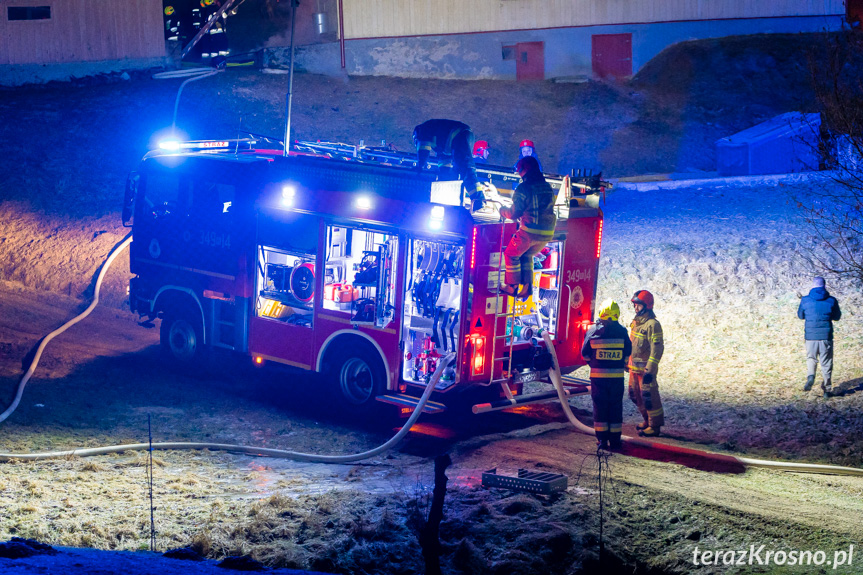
column 404, row 400
column 572, row 381
column 520, row 400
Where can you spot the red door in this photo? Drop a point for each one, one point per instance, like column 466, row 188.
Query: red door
column 854, row 12
column 530, row 61
column 612, row 55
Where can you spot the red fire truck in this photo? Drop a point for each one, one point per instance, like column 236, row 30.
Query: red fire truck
column 347, row 261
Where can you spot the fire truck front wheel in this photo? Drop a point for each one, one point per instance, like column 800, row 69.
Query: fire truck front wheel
column 180, row 336
column 358, row 374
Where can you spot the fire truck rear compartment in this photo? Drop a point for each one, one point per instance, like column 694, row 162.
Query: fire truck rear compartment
column 434, row 289
column 447, row 309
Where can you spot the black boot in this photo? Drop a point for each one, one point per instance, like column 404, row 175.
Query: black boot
column 810, row 381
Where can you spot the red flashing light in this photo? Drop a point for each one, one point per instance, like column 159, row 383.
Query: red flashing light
column 598, row 239
column 259, row 360
column 473, row 249
column 478, row 355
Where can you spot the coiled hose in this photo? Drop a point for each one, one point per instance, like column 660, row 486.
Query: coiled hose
column 278, row 453
column 554, row 373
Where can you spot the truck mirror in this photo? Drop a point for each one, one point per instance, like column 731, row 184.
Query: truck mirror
column 129, row 198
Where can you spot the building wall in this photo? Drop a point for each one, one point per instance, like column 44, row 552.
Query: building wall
column 567, row 50
column 387, row 18
column 83, row 31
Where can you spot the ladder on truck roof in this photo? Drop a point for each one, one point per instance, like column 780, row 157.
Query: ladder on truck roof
column 205, row 29
column 581, row 183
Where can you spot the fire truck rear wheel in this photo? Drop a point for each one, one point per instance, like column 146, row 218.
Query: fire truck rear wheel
column 357, row 373
column 181, row 340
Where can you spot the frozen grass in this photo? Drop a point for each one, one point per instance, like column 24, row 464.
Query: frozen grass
column 725, row 267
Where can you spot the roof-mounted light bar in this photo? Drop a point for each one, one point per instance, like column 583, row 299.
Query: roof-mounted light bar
column 171, row 145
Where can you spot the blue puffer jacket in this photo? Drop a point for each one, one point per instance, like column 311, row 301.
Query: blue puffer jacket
column 820, row 310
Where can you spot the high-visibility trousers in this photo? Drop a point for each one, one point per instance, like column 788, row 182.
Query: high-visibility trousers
column 646, row 399
column 518, row 256
column 607, row 396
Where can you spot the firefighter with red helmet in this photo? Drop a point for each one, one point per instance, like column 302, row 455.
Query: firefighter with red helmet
column 533, row 207
column 647, row 348
column 526, row 149
column 452, row 142
column 480, row 152
column 606, row 349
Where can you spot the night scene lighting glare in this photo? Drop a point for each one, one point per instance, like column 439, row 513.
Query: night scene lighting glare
column 363, row 317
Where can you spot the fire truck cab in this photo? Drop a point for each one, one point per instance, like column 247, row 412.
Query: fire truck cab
column 357, row 266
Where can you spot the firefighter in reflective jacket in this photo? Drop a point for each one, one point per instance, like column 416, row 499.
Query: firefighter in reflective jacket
column 647, row 347
column 453, row 142
column 606, row 349
column 214, row 44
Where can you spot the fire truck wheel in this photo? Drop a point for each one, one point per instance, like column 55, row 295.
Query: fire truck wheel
column 181, row 340
column 358, row 374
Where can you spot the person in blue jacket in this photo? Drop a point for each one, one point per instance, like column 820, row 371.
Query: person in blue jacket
column 820, row 310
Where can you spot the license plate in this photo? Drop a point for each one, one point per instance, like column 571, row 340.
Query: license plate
column 527, row 377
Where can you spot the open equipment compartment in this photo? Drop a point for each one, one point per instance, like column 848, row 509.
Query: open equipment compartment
column 286, row 286
column 432, row 310
column 359, row 274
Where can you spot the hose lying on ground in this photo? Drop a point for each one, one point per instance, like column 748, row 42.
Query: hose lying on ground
column 260, row 451
column 23, row 382
column 554, row 373
column 280, row 453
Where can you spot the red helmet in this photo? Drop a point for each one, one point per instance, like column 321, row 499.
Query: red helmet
column 526, row 143
column 643, row 297
column 480, row 147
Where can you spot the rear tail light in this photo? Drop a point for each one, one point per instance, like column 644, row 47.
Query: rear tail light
column 477, row 360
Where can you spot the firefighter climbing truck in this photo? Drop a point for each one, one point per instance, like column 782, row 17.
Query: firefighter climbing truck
column 345, row 260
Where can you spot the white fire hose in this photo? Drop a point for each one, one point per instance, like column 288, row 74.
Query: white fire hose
column 260, row 451
column 554, row 373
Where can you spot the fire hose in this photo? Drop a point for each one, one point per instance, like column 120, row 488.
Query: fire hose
column 259, row 451
column 554, row 374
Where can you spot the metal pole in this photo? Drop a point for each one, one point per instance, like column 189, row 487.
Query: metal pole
column 342, row 33
column 294, row 4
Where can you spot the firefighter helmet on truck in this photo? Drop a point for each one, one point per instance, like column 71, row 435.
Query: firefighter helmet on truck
column 643, row 297
column 479, row 147
column 609, row 310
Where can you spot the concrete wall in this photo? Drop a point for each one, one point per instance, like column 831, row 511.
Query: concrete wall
column 567, row 50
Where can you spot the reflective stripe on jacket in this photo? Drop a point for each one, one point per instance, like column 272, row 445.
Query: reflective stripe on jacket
column 606, row 348
column 533, row 207
column 647, row 344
